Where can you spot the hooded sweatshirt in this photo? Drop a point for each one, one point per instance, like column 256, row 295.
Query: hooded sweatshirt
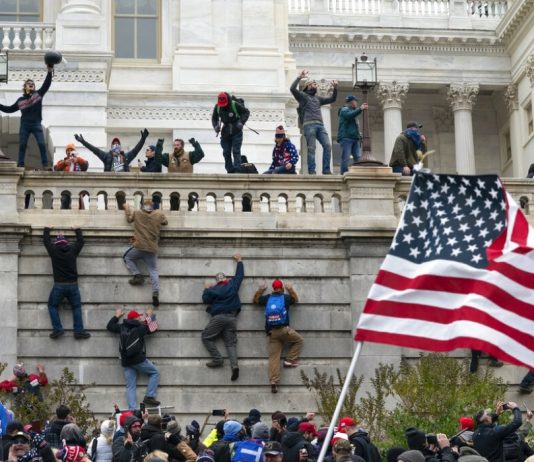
column 64, row 257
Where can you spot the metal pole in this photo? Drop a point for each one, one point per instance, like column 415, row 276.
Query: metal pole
column 366, row 136
column 340, row 401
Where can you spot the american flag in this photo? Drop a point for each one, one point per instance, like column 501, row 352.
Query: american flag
column 151, row 322
column 459, row 273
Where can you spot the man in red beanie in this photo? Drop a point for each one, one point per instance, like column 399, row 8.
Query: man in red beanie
column 277, row 328
column 133, row 355
column 232, row 114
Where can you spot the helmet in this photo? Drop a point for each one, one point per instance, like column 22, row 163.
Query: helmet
column 52, row 57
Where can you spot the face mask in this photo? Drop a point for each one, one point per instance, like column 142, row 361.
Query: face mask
column 311, row 91
column 116, row 148
column 147, row 208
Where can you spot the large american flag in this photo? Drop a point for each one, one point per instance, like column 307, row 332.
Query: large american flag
column 459, row 273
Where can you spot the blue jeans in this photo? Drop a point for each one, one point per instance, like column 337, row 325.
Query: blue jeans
column 317, row 132
column 151, row 260
column 281, row 170
column 231, row 146
column 25, row 129
column 348, row 146
column 398, row 169
column 130, row 376
column 72, row 293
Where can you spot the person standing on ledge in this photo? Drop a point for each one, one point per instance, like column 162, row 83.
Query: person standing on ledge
column 348, row 132
column 224, row 305
column 181, row 161
column 30, row 105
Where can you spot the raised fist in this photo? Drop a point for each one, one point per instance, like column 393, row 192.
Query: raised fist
column 79, row 138
column 144, row 133
column 192, row 140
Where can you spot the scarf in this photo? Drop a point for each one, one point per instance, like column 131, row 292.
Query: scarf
column 414, row 135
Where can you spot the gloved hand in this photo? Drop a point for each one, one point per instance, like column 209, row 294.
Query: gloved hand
column 217, row 128
column 79, row 138
column 144, row 133
column 192, row 140
column 239, row 125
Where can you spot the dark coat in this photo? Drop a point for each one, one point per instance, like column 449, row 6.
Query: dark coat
column 64, row 257
column 153, row 164
column 224, row 297
column 115, row 327
column 292, row 443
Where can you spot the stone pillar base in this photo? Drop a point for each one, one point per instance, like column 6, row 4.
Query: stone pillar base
column 375, row 170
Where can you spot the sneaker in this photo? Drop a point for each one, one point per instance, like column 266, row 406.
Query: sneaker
column 289, row 363
column 137, row 280
column 56, row 333
column 214, row 363
column 82, row 335
column 235, row 374
column 151, row 401
column 495, row 363
column 155, row 299
column 525, row 389
column 274, row 388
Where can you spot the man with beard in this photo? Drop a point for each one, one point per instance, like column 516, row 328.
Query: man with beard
column 181, row 161
column 132, row 448
column 310, row 117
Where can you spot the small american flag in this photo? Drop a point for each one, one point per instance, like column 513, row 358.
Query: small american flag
column 151, row 322
column 459, row 273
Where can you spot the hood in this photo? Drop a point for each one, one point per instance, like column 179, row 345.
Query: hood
column 150, row 430
column 291, row 439
column 360, row 434
column 130, row 323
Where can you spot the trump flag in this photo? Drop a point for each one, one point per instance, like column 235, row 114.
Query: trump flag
column 459, row 273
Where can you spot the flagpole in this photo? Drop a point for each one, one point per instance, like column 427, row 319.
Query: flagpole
column 340, row 401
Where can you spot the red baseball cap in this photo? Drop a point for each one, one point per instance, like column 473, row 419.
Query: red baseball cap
column 222, row 99
column 346, row 422
column 123, row 416
column 308, row 427
column 132, row 314
column 278, row 284
column 467, row 422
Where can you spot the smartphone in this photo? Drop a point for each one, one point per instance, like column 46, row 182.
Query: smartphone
column 218, row 412
column 505, row 406
column 142, row 408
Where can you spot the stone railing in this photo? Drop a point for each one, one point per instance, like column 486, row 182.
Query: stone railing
column 27, row 36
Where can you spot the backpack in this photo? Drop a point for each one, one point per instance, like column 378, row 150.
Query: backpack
column 233, row 104
column 370, row 452
column 512, row 449
column 222, row 451
column 130, row 343
column 248, row 451
column 276, row 311
column 94, row 444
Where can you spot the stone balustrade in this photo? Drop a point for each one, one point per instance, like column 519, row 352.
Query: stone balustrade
column 27, row 36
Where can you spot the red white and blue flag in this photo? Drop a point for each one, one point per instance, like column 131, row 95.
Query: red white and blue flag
column 459, row 273
column 151, row 323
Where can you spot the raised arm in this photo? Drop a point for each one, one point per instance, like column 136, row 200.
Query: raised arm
column 97, row 152
column 46, row 238
column 9, row 109
column 79, row 240
column 47, row 82
column 130, row 155
column 196, row 155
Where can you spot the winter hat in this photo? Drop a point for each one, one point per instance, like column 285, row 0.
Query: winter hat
column 231, row 427
column 23, row 435
column 60, row 239
column 280, row 418
column 346, row 422
column 130, row 420
column 132, row 314
column 468, row 454
column 280, row 130
column 416, row 439
column 292, row 424
column 277, row 284
column 467, row 422
column 72, row 453
column 173, row 427
column 260, row 431
column 308, row 83
column 350, row 98
column 254, row 416
column 124, row 415
column 412, row 456
column 414, row 124
column 192, row 428
column 339, row 436
column 392, row 454
column 115, row 141
column 72, row 434
column 272, row 447
column 107, row 428
column 19, row 370
column 152, row 147
column 70, row 147
column 343, row 446
column 307, row 427
column 222, row 99
column 220, row 277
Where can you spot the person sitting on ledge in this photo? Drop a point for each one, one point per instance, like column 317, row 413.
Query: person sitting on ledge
column 285, row 154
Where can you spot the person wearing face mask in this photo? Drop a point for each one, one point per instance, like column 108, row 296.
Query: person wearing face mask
column 285, row 154
column 30, row 105
column 115, row 160
column 310, row 117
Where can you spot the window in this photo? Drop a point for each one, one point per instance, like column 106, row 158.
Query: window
column 20, row 10
column 136, row 29
column 528, row 113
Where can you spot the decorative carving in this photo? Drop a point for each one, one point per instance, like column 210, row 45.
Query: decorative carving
column 391, row 94
column 529, row 69
column 59, row 76
column 325, row 87
column 462, row 95
column 510, row 97
column 443, row 119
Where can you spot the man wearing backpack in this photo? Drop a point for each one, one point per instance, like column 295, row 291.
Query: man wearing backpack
column 359, row 438
column 277, row 328
column 133, row 355
column 310, row 117
column 233, row 115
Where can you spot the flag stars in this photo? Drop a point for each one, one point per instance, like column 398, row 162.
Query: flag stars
column 481, row 184
column 445, row 188
column 475, row 212
column 462, row 190
column 455, row 252
column 487, row 204
column 472, row 248
column 414, row 252
column 483, row 232
column 424, row 204
column 452, row 241
column 470, row 201
column 417, row 221
column 494, row 215
column 478, row 192
column 476, row 258
column 423, row 234
column 494, row 193
column 463, row 227
column 468, row 238
column 447, row 230
column 407, row 238
column 410, row 206
column 480, row 222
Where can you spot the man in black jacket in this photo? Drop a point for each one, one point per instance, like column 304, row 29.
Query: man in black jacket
column 115, row 159
column 297, row 445
column 233, row 115
column 53, row 432
column 154, row 158
column 64, row 257
column 134, row 360
column 132, row 449
column 488, row 437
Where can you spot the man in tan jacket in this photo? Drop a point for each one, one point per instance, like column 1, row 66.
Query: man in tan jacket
column 147, row 224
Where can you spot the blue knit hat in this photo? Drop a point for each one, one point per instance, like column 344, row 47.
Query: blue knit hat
column 231, row 427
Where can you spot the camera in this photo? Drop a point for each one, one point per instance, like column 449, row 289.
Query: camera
column 505, row 406
column 431, row 439
column 218, row 412
column 142, row 408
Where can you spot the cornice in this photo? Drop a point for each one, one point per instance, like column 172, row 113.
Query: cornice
column 89, row 76
column 513, row 19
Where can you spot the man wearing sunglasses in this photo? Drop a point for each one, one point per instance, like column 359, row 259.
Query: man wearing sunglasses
column 37, row 450
column 30, row 105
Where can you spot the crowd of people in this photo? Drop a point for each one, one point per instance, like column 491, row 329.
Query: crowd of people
column 138, row 436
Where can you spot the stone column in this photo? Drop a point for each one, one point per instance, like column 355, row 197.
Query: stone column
column 325, row 89
column 461, row 97
column 391, row 96
column 511, row 100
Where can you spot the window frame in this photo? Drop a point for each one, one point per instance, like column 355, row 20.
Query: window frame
column 40, row 13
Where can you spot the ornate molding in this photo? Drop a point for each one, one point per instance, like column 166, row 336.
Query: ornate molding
column 59, row 76
column 443, row 119
column 391, row 94
column 325, row 87
column 510, row 97
column 529, row 69
column 462, row 95
column 80, row 7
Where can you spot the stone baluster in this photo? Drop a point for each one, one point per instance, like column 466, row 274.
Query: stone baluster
column 310, row 203
column 5, row 39
column 27, row 38
column 462, row 97
column 202, row 203
column 56, row 200
column 74, row 200
column 391, row 96
column 38, row 200
column 238, row 204
column 166, row 202
column 512, row 103
column 48, row 37
column 16, row 38
column 291, row 203
column 38, row 42
column 219, row 203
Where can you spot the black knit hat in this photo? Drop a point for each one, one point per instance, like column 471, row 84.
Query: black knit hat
column 415, row 438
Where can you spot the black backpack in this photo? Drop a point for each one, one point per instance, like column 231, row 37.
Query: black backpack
column 222, row 451
column 512, row 449
column 130, row 343
column 370, row 452
column 94, row 444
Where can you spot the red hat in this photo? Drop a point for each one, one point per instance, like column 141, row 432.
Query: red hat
column 346, row 422
column 308, row 427
column 115, row 141
column 467, row 423
column 280, row 130
column 278, row 284
column 132, row 314
column 123, row 416
column 338, row 436
column 222, row 99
